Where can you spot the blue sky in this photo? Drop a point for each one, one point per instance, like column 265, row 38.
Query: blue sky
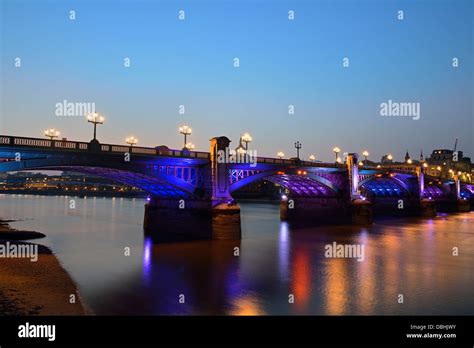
column 282, row 62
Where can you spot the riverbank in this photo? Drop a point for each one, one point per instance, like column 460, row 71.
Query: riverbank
column 34, row 288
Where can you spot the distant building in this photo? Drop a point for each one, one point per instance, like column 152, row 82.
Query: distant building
column 407, row 156
column 387, row 159
column 444, row 162
column 443, row 155
column 456, row 161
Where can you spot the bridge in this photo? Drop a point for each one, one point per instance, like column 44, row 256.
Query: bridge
column 190, row 192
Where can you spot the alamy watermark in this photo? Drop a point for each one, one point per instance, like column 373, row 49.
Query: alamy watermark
column 67, row 108
column 351, row 251
column 400, row 109
column 24, row 251
column 233, row 156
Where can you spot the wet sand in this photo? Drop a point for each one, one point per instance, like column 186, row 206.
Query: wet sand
column 35, row 288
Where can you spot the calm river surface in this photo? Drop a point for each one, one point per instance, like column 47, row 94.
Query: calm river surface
column 413, row 257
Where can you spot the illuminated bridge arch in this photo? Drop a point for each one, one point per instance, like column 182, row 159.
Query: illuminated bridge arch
column 467, row 191
column 299, row 183
column 437, row 190
column 384, row 186
column 159, row 183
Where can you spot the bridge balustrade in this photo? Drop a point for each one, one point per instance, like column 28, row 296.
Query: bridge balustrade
column 32, row 142
column 65, row 144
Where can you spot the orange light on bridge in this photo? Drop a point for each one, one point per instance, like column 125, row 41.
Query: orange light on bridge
column 304, row 173
column 299, row 172
column 281, row 173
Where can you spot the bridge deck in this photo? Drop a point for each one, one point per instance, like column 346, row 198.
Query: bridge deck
column 78, row 146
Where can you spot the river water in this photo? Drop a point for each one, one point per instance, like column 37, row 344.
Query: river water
column 276, row 263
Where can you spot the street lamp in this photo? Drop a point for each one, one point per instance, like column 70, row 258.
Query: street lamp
column 312, row 158
column 280, row 155
column 246, row 138
column 389, row 157
column 185, row 130
column 336, row 150
column 240, row 149
column 409, row 161
column 51, row 133
column 131, row 140
column 95, row 118
column 190, row 146
column 339, row 160
column 365, row 154
column 298, row 147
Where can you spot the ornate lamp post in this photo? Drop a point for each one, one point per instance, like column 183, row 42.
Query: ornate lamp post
column 131, row 140
column 280, row 155
column 298, row 147
column 51, row 133
column 95, row 118
column 312, row 158
column 246, row 138
column 336, row 150
column 190, row 146
column 365, row 154
column 185, row 130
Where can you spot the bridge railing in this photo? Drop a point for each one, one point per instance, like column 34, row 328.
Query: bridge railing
column 83, row 146
column 274, row 160
column 271, row 160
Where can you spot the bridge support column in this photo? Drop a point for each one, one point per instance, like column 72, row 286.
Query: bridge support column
column 314, row 210
column 427, row 205
column 225, row 212
column 166, row 220
column 226, row 221
column 361, row 209
column 428, row 208
column 463, row 204
column 214, row 216
column 361, row 212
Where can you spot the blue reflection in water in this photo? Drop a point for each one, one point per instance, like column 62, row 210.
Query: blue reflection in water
column 284, row 251
column 147, row 249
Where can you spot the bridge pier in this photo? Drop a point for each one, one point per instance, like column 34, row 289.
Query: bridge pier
column 361, row 212
column 361, row 209
column 428, row 208
column 464, row 206
column 165, row 221
column 226, row 221
column 168, row 220
column 319, row 210
column 215, row 215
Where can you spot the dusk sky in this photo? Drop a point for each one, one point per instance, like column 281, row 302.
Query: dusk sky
column 282, row 62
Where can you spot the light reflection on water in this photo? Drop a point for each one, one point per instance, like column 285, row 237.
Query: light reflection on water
column 412, row 257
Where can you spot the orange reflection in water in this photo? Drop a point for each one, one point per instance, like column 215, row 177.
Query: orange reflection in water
column 391, row 268
column 301, row 280
column 336, row 287
column 246, row 305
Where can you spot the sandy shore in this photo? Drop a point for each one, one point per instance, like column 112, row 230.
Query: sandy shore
column 35, row 288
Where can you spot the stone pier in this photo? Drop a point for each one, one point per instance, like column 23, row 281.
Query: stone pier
column 215, row 215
